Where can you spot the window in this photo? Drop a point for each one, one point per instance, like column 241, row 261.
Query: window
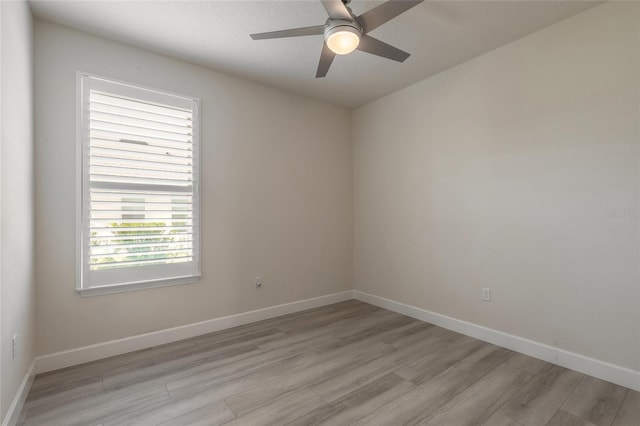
column 138, row 197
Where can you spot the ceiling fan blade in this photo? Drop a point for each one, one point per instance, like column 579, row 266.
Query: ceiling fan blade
column 336, row 9
column 326, row 58
column 377, row 16
column 376, row 47
column 294, row 32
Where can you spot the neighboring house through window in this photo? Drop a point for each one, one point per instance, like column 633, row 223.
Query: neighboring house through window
column 139, row 195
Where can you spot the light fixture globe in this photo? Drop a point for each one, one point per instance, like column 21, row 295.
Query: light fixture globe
column 342, row 39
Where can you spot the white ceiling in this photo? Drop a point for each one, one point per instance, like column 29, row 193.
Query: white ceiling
column 438, row 34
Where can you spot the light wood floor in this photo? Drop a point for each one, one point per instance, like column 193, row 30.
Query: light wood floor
column 341, row 364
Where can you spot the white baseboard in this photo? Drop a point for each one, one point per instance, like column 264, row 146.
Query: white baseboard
column 15, row 408
column 98, row 351
column 603, row 370
column 593, row 367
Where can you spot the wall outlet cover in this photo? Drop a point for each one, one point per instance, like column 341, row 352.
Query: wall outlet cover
column 486, row 294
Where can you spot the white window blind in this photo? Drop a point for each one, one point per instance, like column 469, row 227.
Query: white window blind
column 140, row 186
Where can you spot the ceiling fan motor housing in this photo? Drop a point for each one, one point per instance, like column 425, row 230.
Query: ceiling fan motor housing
column 335, row 25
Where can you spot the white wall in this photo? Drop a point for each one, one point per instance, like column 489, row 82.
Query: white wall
column 276, row 195
column 16, row 190
column 499, row 173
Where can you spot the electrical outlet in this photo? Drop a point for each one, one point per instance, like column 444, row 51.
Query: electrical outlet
column 14, row 346
column 258, row 282
column 486, row 294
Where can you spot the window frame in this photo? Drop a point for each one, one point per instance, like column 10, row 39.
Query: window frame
column 84, row 82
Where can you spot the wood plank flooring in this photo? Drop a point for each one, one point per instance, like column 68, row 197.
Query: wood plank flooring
column 347, row 363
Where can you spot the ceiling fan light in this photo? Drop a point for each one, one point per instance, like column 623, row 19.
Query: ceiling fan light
column 343, row 39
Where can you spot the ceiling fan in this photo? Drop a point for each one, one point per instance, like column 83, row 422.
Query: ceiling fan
column 344, row 32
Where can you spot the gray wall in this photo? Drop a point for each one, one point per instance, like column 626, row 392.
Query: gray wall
column 502, row 173
column 16, row 199
column 276, row 195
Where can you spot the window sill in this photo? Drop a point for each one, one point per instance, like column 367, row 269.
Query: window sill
column 136, row 286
